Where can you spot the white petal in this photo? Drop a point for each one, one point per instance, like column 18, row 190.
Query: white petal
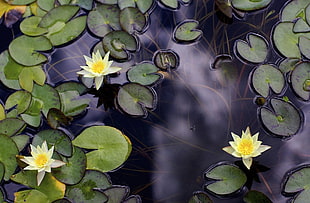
column 57, row 163
column 98, row 82
column 247, row 162
column 28, row 160
column 112, row 70
column 44, row 146
column 88, row 59
column 228, row 149
column 263, row 148
column 40, row 177
column 236, row 154
column 235, row 137
column 233, row 144
column 31, row 167
column 106, row 57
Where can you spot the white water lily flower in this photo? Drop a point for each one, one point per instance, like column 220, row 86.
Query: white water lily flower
column 41, row 160
column 97, row 68
column 246, row 147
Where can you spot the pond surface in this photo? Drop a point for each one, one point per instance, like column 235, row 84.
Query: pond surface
column 198, row 107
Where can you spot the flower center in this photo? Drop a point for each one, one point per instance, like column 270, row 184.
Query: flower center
column 246, row 147
column 98, row 67
column 41, row 160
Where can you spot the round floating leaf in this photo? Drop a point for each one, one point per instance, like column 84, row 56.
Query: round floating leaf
column 267, row 77
column 284, row 120
column 117, row 193
column 255, row 197
column 19, row 99
column 8, row 152
column 108, row 1
column 293, row 10
column 304, row 46
column 172, row 4
column 30, row 196
column 112, row 147
column 250, row 5
column 135, row 99
column 49, row 186
column 118, row 43
column 31, row 120
column 132, row 20
column 24, row 49
column 29, row 26
column 56, row 118
column 2, row 171
column 57, row 138
column 166, row 59
column 300, row 79
column 297, row 182
column 52, row 101
column 144, row 74
column 288, row 65
column 85, row 191
column 11, row 126
column 19, row 2
column 20, row 141
column 104, row 19
column 187, row 31
column 255, row 50
column 228, row 179
column 144, row 5
column 2, row 112
column 126, row 3
column 7, row 64
column 301, row 26
column 200, row 197
column 29, row 75
column 46, row 4
column 74, row 170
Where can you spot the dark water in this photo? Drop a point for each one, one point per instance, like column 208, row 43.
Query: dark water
column 196, row 111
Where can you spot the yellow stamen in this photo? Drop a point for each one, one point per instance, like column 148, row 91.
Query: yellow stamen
column 245, row 147
column 98, row 67
column 41, row 160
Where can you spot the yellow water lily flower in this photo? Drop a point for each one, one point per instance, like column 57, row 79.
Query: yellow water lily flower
column 41, row 160
column 246, row 147
column 97, row 68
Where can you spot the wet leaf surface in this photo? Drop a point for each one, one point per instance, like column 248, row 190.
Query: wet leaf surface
column 11, row 126
column 300, row 79
column 187, row 31
column 144, row 73
column 8, row 67
column 200, row 197
column 8, row 152
column 250, row 5
column 166, row 59
column 132, row 20
column 21, row 141
column 255, row 197
column 20, row 100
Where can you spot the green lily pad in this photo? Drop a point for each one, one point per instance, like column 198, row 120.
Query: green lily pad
column 133, row 199
column 228, row 179
column 250, row 5
column 74, row 170
column 108, row 1
column 2, row 112
column 104, row 19
column 85, row 191
column 300, row 79
column 172, row 4
column 32, row 116
column 19, row 2
column 143, row 5
column 200, row 197
column 30, row 196
column 31, row 120
column 166, row 59
column 267, row 77
column 118, row 43
column 187, row 31
column 111, row 147
column 2, row 197
column 8, row 152
column 25, row 50
column 283, row 120
column 52, row 101
column 11, row 126
column 132, row 20
column 294, row 9
column 297, row 183
column 288, row 65
column 30, row 26
column 30, row 75
column 255, row 197
column 20, row 100
column 144, row 73
column 36, row 10
column 301, row 26
column 21, row 141
column 56, row 118
column 46, row 5
column 255, row 50
column 49, row 186
column 57, row 138
column 85, row 4
column 135, row 99
column 2, row 171
column 126, row 3
column 7, row 64
column 117, row 193
column 304, row 46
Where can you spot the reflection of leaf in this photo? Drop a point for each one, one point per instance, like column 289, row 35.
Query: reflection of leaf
column 200, row 197
column 187, row 31
column 106, row 95
column 56, row 118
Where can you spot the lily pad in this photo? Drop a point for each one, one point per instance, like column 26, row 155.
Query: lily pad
column 304, row 46
column 108, row 1
column 30, row 196
column 30, row 26
column 132, row 20
column 301, row 26
column 112, row 147
column 46, row 5
column 255, row 197
column 49, row 186
column 133, row 199
column 200, row 197
column 117, row 193
column 144, row 73
column 187, row 31
column 20, row 100
column 288, row 65
column 228, row 179
column 225, row 69
column 250, row 5
column 85, row 190
column 21, row 141
column 293, row 10
column 57, row 118
column 300, row 79
column 1, row 172
column 7, row 64
column 135, row 99
column 225, row 7
column 8, row 152
column 255, row 50
column 166, row 59
column 172, row 4
column 118, row 43
column 143, row 5
column 267, row 77
column 19, row 2
column 11, row 126
column 104, row 19
column 32, row 116
column 25, row 50
column 2, row 112
column 30, row 75
column 283, row 120
column 296, row 183
column 57, row 138
column 74, row 170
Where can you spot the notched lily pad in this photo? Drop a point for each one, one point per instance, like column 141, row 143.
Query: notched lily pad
column 283, row 120
column 288, row 65
column 300, row 79
column 20, row 100
column 30, row 196
column 297, row 183
column 143, row 5
column 144, row 73
column 200, row 197
column 255, row 50
column 172, row 4
column 30, row 75
column 57, row 118
column 250, row 5
column 30, row 26
column 228, row 179
column 166, row 59
column 21, row 141
column 187, row 31
column 132, row 20
column 7, row 64
column 117, row 193
column 135, row 99
column 267, row 77
column 293, row 10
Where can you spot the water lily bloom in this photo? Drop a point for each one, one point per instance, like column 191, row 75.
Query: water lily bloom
column 246, row 147
column 98, row 68
column 41, row 160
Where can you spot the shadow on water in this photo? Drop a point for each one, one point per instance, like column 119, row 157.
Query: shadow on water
column 196, row 112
